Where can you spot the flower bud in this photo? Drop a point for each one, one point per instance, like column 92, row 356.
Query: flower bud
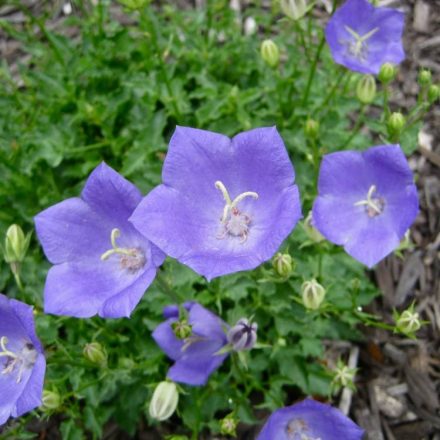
column 311, row 129
column 228, row 425
column 310, row 229
column 134, row 4
column 243, row 335
column 164, row 401
column 425, row 77
column 366, row 89
column 313, row 294
column 283, row 265
column 181, row 328
column 387, row 73
column 408, row 321
column 95, row 353
column 16, row 244
column 250, row 26
column 294, row 9
column 270, row 53
column 51, row 400
column 395, row 124
column 433, row 93
column 343, row 375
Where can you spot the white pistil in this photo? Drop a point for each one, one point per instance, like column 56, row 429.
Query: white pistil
column 5, row 351
column 9, row 368
column 116, row 249
column 230, row 204
column 370, row 202
column 360, row 43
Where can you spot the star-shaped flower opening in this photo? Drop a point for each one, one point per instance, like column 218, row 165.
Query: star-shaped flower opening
column 22, row 363
column 225, row 205
column 363, row 37
column 102, row 264
column 366, row 201
column 196, row 355
column 309, row 420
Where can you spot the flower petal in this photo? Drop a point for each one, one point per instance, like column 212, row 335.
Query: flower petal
column 166, row 339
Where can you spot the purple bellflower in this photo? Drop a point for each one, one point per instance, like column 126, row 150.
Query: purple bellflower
column 224, row 205
column 22, row 363
column 102, row 264
column 362, row 37
column 196, row 355
column 366, row 201
column 309, row 420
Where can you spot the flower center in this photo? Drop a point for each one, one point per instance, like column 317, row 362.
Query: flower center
column 130, row 259
column 235, row 222
column 297, row 429
column 22, row 360
column 358, row 47
column 373, row 205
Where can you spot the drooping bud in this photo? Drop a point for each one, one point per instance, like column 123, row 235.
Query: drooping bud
column 250, row 26
column 408, row 322
column 51, row 400
column 95, row 353
column 16, row 244
column 395, row 124
column 270, row 53
column 228, row 425
column 164, row 401
column 433, row 93
column 387, row 73
column 283, row 265
column 313, row 294
column 243, row 336
column 366, row 89
column 181, row 328
column 343, row 376
column 310, row 229
column 311, row 129
column 425, row 78
column 294, row 9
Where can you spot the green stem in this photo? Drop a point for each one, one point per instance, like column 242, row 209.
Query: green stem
column 386, row 106
column 356, row 128
column 299, row 29
column 337, row 84
column 313, row 71
column 167, row 289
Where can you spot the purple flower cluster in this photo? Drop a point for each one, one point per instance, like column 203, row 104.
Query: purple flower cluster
column 22, row 363
column 309, row 420
column 363, row 37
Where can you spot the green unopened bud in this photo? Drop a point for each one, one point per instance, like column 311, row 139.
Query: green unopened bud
column 433, row 93
column 294, row 9
column 164, row 401
column 425, row 78
column 310, row 229
column 270, row 53
column 134, row 4
column 343, row 376
column 366, row 89
column 228, row 425
column 51, row 400
column 182, row 329
column 311, row 129
column 387, row 73
column 283, row 265
column 313, row 294
column 408, row 321
column 395, row 124
column 16, row 244
column 95, row 353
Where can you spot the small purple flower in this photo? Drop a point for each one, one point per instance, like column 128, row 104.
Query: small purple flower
column 243, row 336
column 22, row 363
column 366, row 201
column 363, row 37
column 309, row 420
column 196, row 355
column 225, row 205
column 103, row 265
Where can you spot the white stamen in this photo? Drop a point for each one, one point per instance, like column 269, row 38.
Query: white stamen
column 370, row 202
column 359, row 47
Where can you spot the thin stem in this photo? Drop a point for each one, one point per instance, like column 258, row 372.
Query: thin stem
column 299, row 29
column 356, row 128
column 313, row 71
column 386, row 106
column 334, row 88
column 167, row 289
